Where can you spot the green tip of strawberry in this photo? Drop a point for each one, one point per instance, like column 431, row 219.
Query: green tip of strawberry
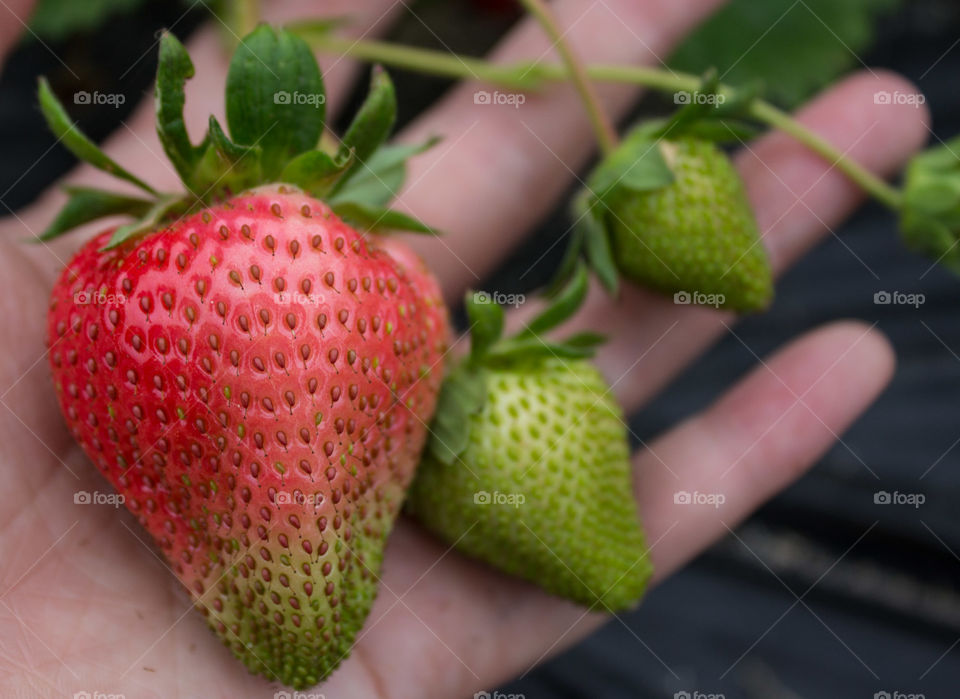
column 667, row 210
column 930, row 216
column 275, row 109
column 247, row 369
column 528, row 465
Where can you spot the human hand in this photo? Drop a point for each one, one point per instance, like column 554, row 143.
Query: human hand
column 87, row 605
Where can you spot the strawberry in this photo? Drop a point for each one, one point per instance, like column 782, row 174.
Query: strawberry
column 248, row 370
column 668, row 210
column 528, row 468
column 697, row 235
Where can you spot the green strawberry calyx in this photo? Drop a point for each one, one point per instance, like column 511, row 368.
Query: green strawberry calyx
column 930, row 215
column 275, row 109
column 643, row 163
column 464, row 387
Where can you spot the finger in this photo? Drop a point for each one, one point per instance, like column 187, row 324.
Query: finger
column 798, row 199
column 500, row 168
column 465, row 627
column 758, row 438
column 136, row 145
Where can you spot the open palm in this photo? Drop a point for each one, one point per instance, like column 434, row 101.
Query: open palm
column 86, row 603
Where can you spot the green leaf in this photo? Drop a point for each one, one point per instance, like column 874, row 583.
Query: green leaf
column 694, row 110
column 275, row 97
column 377, row 182
column 714, row 115
column 636, row 164
column 590, row 227
column 462, row 395
column 225, row 167
column 486, row 323
column 536, row 348
column 372, row 123
column 87, row 204
column 794, row 48
column 722, row 130
column 585, row 340
column 315, row 171
column 174, row 68
column 525, row 348
column 78, row 144
column 568, row 264
column 566, row 303
column 375, row 219
column 150, row 221
column 598, row 250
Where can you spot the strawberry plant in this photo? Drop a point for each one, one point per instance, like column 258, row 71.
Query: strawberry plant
column 254, row 368
column 641, row 216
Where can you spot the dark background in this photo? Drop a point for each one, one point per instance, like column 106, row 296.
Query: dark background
column 879, row 606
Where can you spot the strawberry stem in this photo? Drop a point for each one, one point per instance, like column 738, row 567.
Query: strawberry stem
column 886, row 194
column 526, row 76
column 599, row 120
column 237, row 19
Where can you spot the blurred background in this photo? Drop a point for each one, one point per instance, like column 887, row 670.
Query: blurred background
column 830, row 590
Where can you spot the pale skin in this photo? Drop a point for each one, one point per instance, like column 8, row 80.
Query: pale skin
column 86, row 604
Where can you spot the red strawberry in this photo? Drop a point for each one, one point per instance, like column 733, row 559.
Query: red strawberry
column 256, row 382
column 255, row 377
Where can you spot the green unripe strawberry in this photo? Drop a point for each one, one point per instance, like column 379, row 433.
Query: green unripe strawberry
column 528, row 468
column 543, row 489
column 697, row 235
column 668, row 210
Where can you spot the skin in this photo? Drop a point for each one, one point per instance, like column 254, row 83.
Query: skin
column 85, row 603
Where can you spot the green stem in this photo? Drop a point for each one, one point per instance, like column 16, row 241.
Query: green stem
column 886, row 194
column 527, row 76
column 602, row 127
column 238, row 18
column 448, row 65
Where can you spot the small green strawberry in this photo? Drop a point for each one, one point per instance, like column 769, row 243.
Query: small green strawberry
column 696, row 235
column 668, row 210
column 528, row 467
column 246, row 368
